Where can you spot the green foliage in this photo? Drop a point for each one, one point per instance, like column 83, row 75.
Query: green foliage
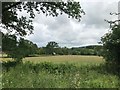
column 41, row 51
column 52, row 44
column 9, row 42
column 88, row 50
column 111, row 45
column 63, row 51
column 17, row 49
column 12, row 22
column 51, row 48
column 49, row 75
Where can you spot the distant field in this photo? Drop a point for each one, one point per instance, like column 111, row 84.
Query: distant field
column 66, row 59
column 63, row 59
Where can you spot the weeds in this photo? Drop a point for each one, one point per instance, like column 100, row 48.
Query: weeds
column 50, row 75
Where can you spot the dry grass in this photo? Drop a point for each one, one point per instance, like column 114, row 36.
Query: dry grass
column 66, row 58
column 77, row 59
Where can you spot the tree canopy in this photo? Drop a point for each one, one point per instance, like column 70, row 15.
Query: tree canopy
column 51, row 47
column 18, row 49
column 111, row 42
column 111, row 45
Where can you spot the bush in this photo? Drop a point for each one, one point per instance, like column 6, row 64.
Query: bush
column 111, row 45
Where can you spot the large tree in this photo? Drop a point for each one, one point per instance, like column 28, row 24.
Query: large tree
column 111, row 45
column 111, row 42
column 16, row 25
column 18, row 49
column 51, row 48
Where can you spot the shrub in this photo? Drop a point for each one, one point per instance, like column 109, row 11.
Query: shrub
column 111, row 45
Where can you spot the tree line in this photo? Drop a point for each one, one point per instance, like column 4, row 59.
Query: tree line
column 26, row 48
column 55, row 49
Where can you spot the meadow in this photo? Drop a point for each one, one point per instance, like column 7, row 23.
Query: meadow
column 70, row 71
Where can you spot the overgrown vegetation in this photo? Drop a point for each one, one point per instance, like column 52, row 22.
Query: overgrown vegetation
column 111, row 45
column 49, row 75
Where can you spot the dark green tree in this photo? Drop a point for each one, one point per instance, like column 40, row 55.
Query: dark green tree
column 111, row 45
column 64, row 51
column 41, row 51
column 51, row 48
column 27, row 47
column 111, row 42
column 18, row 49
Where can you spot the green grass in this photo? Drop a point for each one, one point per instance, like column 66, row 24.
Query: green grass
column 49, row 75
column 60, row 72
column 77, row 59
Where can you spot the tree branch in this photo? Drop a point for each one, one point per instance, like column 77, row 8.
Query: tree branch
column 11, row 6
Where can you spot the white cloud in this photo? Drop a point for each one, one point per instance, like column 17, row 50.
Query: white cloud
column 68, row 32
column 97, row 12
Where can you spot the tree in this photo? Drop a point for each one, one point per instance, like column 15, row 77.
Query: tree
column 111, row 42
column 41, row 51
column 29, row 48
column 51, row 48
column 22, row 26
column 65, row 51
column 111, row 45
column 9, row 43
column 18, row 49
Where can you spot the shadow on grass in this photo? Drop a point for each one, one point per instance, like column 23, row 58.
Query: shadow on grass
column 105, row 69
column 10, row 64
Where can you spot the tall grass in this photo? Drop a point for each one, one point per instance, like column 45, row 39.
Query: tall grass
column 64, row 75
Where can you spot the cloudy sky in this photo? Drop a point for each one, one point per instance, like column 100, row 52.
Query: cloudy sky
column 70, row 33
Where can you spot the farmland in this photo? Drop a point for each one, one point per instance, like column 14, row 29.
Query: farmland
column 66, row 59
column 70, row 71
column 77, row 59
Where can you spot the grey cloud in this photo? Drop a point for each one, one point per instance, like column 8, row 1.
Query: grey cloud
column 52, row 23
column 97, row 12
column 60, row 21
column 68, row 32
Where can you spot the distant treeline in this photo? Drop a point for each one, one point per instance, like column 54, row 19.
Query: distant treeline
column 28, row 48
column 87, row 50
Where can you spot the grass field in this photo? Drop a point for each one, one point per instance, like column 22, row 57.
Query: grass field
column 66, row 59
column 60, row 72
column 78, row 59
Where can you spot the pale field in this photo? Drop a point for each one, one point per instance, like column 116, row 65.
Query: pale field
column 77, row 59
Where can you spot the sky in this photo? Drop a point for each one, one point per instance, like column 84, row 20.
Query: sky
column 71, row 33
